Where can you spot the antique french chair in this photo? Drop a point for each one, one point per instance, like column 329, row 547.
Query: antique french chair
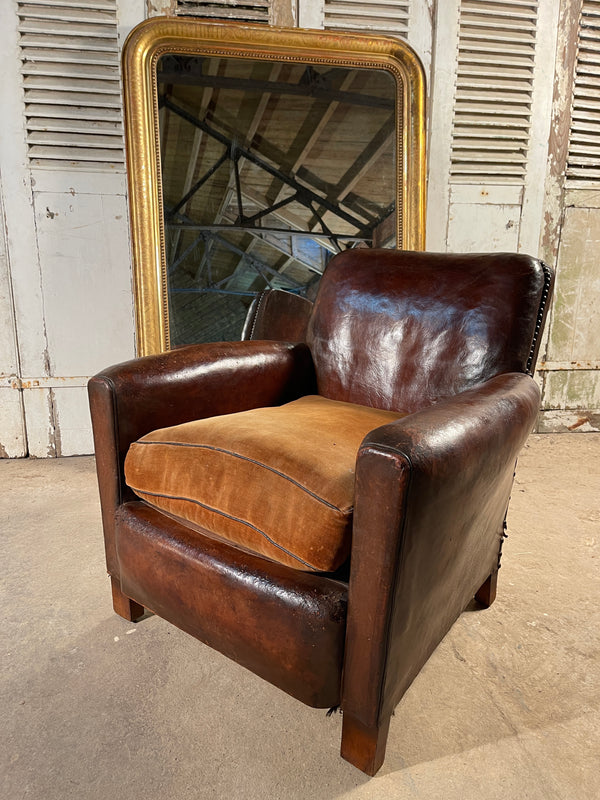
column 323, row 511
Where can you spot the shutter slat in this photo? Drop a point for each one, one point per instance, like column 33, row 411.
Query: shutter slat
column 75, row 154
column 35, row 110
column 67, row 71
column 374, row 4
column 493, row 171
column 483, row 145
column 54, row 97
column 49, row 55
column 61, row 139
column 580, row 127
column 80, row 43
column 49, row 14
column 68, row 29
column 583, row 153
column 83, row 5
column 105, row 127
column 71, row 83
column 500, row 7
column 470, row 121
column 55, row 83
column 479, row 82
column 484, row 14
column 257, row 11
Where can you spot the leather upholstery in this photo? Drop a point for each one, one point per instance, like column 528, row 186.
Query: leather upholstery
column 277, row 315
column 286, row 626
column 450, row 339
column 277, row 481
column 417, row 327
column 431, row 498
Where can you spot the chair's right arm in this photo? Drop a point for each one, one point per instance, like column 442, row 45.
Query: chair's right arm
column 133, row 398
column 432, row 491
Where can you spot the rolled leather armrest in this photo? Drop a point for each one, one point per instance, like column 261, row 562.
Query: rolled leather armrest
column 432, row 491
column 131, row 399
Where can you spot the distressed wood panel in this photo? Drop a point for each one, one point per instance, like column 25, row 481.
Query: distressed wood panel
column 39, row 413
column 12, row 428
column 86, row 280
column 475, row 228
column 575, row 324
column 73, row 430
column 572, row 389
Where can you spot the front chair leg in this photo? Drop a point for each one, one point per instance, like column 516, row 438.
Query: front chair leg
column 124, row 606
column 362, row 746
column 486, row 594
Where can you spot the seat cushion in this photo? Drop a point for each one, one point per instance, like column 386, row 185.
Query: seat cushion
column 277, row 481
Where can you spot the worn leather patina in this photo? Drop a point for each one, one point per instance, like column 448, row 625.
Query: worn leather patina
column 452, row 341
column 405, row 338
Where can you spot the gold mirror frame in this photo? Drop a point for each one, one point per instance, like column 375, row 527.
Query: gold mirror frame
column 174, row 35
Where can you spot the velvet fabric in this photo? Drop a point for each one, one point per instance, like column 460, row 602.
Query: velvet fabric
column 276, row 481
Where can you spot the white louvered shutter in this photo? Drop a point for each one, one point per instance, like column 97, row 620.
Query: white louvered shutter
column 492, row 111
column 378, row 16
column 258, row 11
column 70, row 66
column 583, row 166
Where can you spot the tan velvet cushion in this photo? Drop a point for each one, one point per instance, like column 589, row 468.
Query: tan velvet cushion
column 277, row 481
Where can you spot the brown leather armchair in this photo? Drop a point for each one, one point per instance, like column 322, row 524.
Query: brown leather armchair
column 336, row 583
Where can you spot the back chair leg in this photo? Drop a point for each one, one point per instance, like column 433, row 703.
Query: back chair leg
column 124, row 606
column 486, row 594
column 362, row 746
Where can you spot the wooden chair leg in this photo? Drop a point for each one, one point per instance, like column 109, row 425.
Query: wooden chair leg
column 124, row 606
column 364, row 747
column 486, row 594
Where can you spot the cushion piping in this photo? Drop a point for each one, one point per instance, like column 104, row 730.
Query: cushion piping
column 252, row 461
column 228, row 516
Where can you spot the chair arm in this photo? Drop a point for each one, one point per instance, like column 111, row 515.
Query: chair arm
column 133, row 398
column 432, row 491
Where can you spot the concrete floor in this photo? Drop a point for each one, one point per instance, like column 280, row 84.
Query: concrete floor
column 95, row 707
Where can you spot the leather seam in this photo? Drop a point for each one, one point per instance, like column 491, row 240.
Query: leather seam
column 114, row 403
column 307, row 491
column 231, row 517
column 540, row 316
column 255, row 320
column 110, row 384
column 398, row 555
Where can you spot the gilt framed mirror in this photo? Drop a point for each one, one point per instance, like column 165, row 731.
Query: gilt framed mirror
column 255, row 154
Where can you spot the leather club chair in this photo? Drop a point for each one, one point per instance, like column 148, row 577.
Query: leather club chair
column 322, row 512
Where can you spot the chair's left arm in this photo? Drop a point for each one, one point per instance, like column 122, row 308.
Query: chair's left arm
column 432, row 491
column 133, row 398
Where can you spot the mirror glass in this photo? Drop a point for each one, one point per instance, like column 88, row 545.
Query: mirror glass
column 268, row 169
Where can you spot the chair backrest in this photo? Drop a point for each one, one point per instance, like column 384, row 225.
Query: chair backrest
column 399, row 330
column 277, row 315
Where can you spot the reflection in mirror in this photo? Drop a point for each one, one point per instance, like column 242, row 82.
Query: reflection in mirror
column 268, row 169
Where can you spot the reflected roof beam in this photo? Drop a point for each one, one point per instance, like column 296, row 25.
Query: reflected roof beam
column 317, row 89
column 305, row 195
